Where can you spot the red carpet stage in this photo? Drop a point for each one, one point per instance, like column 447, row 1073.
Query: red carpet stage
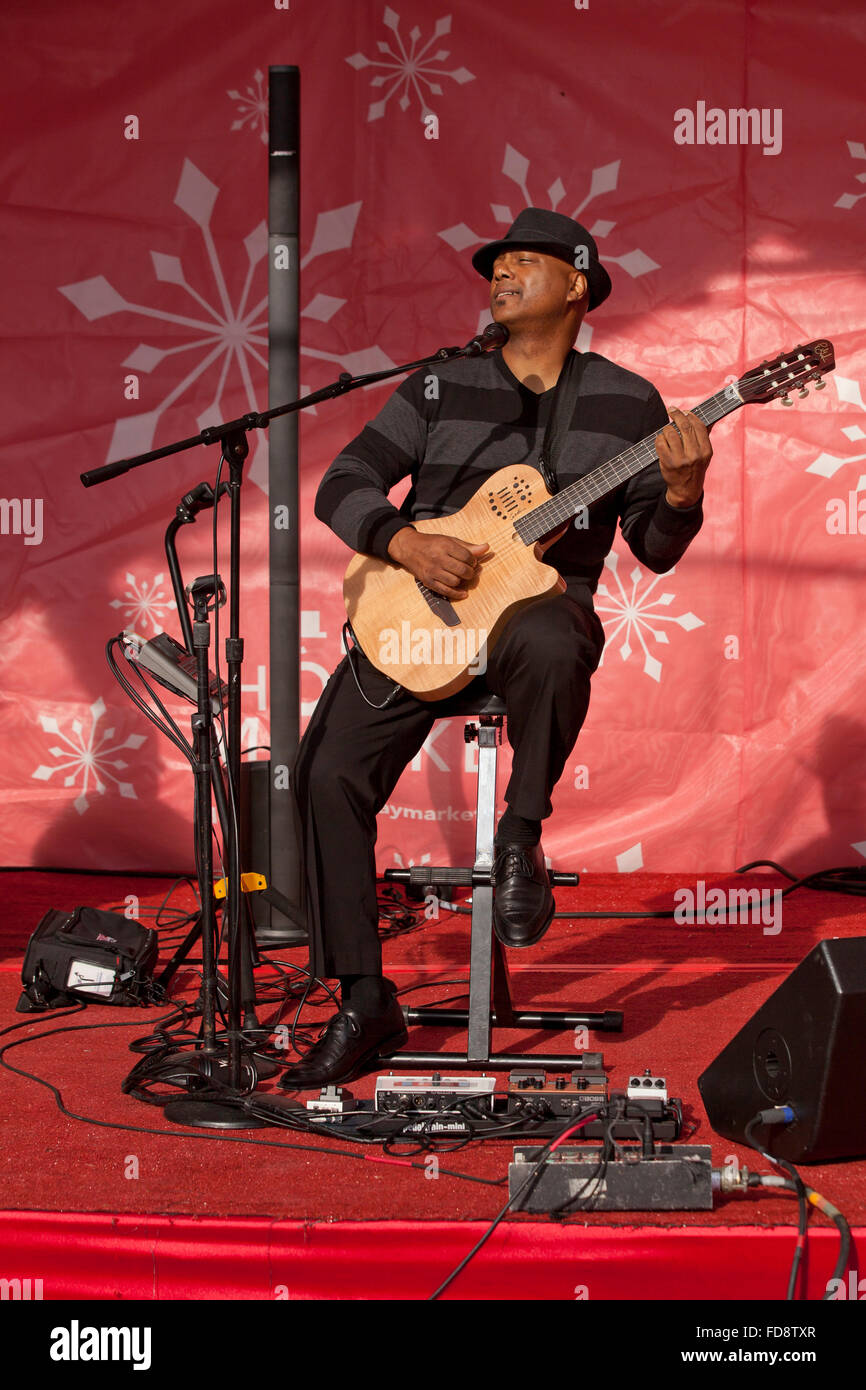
column 98, row 1209
column 215, row 227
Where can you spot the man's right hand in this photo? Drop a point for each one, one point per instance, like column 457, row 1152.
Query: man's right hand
column 443, row 563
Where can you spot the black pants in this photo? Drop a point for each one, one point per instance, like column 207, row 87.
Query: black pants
column 352, row 756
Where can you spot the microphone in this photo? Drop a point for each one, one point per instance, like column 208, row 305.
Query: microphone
column 495, row 335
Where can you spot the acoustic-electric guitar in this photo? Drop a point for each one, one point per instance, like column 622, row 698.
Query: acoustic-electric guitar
column 433, row 646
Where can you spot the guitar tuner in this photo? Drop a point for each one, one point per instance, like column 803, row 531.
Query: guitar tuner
column 786, row 400
column 803, row 391
column 820, row 384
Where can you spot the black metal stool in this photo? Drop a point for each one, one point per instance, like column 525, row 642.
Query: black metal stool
column 490, row 1001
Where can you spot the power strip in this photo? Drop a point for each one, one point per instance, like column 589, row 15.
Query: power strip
column 575, row 1179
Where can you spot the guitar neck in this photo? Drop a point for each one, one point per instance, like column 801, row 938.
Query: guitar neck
column 566, row 504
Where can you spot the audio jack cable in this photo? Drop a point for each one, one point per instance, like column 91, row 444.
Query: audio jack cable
column 739, row 1182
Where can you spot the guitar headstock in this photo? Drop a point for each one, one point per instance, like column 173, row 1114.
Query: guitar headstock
column 790, row 370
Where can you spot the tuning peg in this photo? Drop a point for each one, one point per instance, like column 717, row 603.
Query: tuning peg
column 820, row 384
column 803, row 391
column 786, row 400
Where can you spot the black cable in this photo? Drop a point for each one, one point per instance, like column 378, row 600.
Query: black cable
column 157, row 700
column 822, row 880
column 833, row 1212
column 525, row 1187
column 613, row 1112
column 350, row 657
column 395, row 910
column 171, row 1133
column 800, row 1189
column 234, row 825
column 183, row 918
column 179, row 742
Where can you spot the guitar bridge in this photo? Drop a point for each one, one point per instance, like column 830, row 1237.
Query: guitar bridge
column 441, row 606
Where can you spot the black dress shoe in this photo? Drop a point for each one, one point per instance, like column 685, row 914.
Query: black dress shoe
column 347, row 1047
column 523, row 903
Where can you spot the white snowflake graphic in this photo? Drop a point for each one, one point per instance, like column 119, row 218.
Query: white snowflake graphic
column 857, row 150
column 827, row 465
column 630, row 860
column 227, row 331
column 408, row 863
column 634, row 613
column 253, row 106
column 90, row 759
column 406, row 69
column 143, row 602
column 515, row 166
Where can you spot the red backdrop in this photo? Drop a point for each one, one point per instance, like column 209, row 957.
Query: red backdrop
column 726, row 720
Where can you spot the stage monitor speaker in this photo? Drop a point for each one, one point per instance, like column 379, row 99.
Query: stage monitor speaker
column 805, row 1047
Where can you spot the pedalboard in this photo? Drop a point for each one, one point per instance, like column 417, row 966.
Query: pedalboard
column 533, row 1103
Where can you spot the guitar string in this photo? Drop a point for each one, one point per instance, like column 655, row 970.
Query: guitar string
column 607, row 476
column 621, row 468
column 515, row 541
column 631, row 461
column 550, row 514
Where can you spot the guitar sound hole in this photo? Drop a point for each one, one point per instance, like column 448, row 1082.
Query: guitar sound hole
column 508, row 500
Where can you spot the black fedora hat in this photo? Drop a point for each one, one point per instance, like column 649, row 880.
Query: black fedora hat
column 556, row 235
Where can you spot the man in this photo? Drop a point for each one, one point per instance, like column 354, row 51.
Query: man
column 448, row 428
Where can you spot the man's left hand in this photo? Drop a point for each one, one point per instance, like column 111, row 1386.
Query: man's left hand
column 684, row 451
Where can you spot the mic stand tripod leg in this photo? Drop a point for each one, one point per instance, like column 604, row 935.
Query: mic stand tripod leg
column 194, row 932
column 246, row 954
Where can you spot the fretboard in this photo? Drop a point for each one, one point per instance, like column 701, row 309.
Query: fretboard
column 608, row 476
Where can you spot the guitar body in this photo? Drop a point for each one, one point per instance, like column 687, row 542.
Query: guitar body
column 435, row 646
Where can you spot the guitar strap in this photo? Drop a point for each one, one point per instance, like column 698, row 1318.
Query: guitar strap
column 561, row 415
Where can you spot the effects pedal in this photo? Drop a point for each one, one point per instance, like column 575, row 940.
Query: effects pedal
column 331, row 1100
column 434, row 1095
column 647, row 1087
column 534, row 1093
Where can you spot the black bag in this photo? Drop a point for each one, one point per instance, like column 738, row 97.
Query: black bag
column 99, row 957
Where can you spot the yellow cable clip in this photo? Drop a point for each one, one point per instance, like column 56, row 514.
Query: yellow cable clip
column 250, row 883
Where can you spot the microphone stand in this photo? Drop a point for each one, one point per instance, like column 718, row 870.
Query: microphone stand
column 213, row 1109
column 197, row 500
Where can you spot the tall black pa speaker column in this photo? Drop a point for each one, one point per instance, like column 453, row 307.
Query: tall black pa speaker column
column 281, row 849
column 806, row 1048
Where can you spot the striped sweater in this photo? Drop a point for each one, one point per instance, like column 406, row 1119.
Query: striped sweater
column 449, row 426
